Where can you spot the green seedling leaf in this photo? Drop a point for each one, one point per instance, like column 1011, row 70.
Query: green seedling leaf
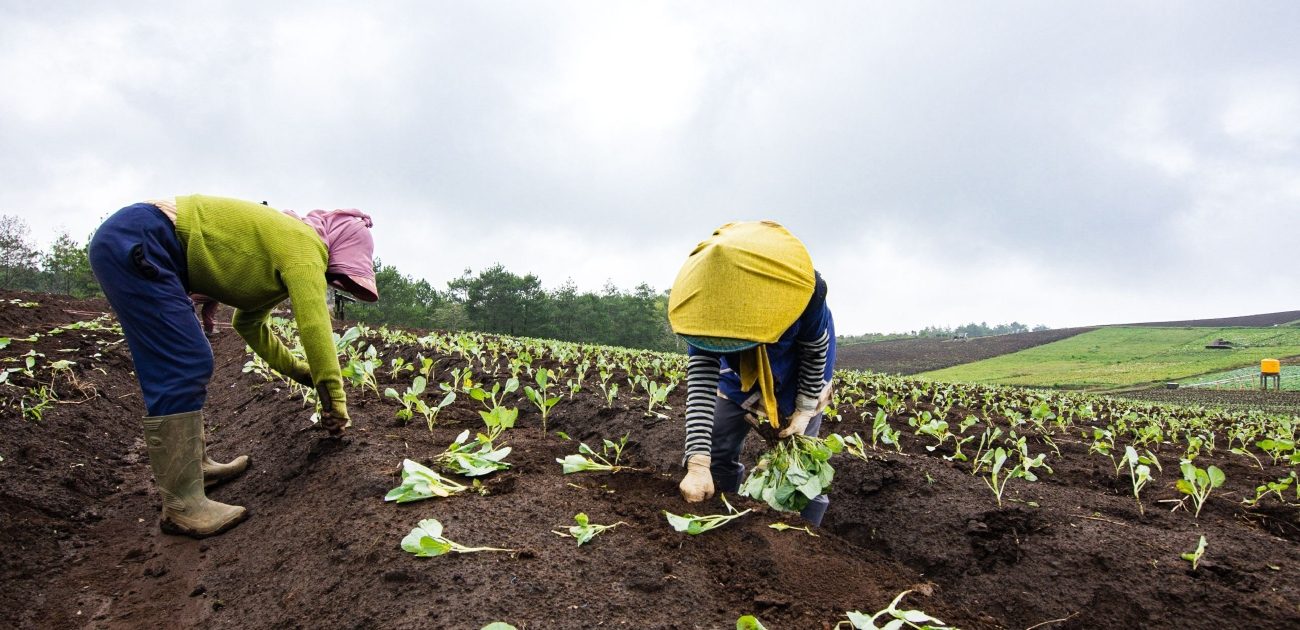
column 749, row 622
column 426, row 541
column 588, row 460
column 420, row 482
column 473, row 459
column 694, row 525
column 1194, row 556
column 897, row 618
column 585, row 530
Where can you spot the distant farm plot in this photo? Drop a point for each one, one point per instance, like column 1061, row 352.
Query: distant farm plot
column 1281, row 318
column 1259, row 400
column 912, row 356
column 1126, row 356
column 1246, row 378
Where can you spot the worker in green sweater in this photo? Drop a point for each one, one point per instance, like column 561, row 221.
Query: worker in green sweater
column 149, row 257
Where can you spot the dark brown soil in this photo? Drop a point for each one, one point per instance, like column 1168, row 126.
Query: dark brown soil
column 78, row 525
column 913, row 356
column 1273, row 401
column 1263, row 319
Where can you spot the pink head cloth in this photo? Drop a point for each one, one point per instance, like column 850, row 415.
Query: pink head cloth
column 346, row 234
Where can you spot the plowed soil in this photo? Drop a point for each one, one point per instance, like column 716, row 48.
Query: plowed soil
column 1272, row 400
column 913, row 356
column 78, row 526
column 1262, row 319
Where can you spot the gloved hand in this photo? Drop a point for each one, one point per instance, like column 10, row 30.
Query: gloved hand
column 697, row 485
column 300, row 373
column 804, row 410
column 333, row 413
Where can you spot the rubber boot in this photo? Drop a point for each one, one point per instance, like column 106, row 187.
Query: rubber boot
column 176, row 456
column 215, row 472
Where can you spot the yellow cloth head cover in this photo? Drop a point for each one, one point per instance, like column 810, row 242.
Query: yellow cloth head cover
column 750, row 280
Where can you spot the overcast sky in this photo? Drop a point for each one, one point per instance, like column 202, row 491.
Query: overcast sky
column 945, row 162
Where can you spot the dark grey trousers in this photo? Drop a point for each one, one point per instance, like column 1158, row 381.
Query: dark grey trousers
column 729, row 432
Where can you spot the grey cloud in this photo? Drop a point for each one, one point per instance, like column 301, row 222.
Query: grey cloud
column 1083, row 138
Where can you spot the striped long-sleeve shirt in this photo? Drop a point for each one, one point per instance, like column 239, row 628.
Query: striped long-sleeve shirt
column 802, row 362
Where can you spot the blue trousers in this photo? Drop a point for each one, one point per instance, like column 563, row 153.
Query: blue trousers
column 142, row 268
column 729, row 432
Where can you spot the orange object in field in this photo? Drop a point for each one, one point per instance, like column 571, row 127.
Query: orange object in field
column 1270, row 366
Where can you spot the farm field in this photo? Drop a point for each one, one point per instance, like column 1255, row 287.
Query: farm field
column 913, row 356
column 1261, row 320
column 913, row 503
column 1245, row 378
column 1128, row 356
column 1243, row 400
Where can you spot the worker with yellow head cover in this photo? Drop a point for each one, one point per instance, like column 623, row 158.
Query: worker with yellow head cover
column 761, row 343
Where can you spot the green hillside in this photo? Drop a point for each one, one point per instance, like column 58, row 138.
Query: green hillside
column 1124, row 356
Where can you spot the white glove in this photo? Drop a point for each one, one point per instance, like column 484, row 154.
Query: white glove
column 697, row 485
column 804, row 410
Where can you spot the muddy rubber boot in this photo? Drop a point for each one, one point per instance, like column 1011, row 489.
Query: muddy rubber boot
column 215, row 472
column 176, row 456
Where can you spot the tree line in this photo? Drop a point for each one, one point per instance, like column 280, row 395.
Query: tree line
column 63, row 268
column 493, row 300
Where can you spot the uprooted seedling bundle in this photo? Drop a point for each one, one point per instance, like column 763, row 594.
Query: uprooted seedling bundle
column 793, row 472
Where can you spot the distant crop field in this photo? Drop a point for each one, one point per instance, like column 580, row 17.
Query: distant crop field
column 1124, row 356
column 1246, row 378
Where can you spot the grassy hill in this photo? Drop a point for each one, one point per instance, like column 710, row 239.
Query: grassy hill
column 1127, row 356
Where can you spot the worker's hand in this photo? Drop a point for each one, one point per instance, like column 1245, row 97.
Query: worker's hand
column 333, row 413
column 697, row 485
column 300, row 373
column 804, row 410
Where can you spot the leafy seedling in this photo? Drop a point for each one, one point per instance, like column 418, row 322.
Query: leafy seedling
column 409, row 399
column 497, row 417
column 1276, row 448
column 1198, row 482
column 656, row 395
column 995, row 460
column 473, row 459
column 749, row 622
column 1139, row 473
column 585, row 530
column 427, row 541
column 853, row 445
column 588, row 460
column 882, row 433
column 540, row 397
column 693, row 524
column 896, row 619
column 1194, row 556
column 420, row 482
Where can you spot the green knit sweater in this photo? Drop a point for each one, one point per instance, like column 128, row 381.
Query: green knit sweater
column 252, row 257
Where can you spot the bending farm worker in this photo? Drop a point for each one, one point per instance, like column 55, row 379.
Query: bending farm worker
column 761, row 346
column 149, row 257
